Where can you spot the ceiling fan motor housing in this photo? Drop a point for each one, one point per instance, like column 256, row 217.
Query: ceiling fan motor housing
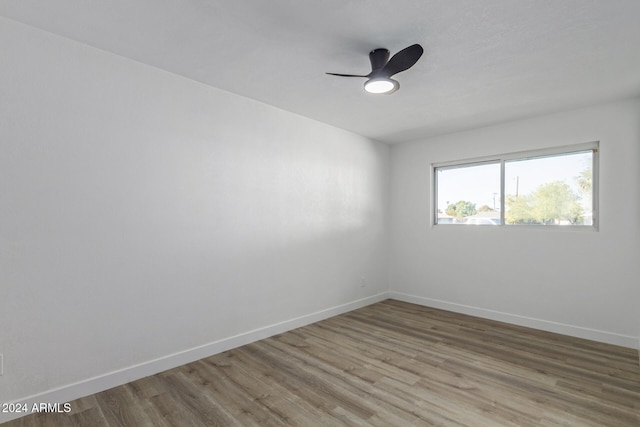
column 378, row 58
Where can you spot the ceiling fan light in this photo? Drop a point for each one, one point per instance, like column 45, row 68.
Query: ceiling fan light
column 381, row 85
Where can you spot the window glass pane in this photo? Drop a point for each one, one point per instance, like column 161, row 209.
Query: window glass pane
column 468, row 194
column 552, row 190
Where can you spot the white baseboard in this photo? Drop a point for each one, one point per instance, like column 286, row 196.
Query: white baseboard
column 113, row 379
column 544, row 325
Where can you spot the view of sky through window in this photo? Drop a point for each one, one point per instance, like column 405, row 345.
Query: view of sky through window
column 479, row 184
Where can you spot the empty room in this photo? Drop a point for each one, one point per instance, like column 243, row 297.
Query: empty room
column 337, row 213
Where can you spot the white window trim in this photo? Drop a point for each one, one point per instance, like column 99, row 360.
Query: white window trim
column 522, row 155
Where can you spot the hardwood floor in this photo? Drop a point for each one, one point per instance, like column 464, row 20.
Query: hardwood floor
column 388, row 364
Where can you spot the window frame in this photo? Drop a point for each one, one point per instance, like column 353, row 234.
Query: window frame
column 502, row 159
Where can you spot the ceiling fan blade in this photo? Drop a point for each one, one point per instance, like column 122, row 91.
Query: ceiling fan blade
column 403, row 60
column 345, row 75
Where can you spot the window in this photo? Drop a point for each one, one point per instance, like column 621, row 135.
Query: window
column 468, row 193
column 555, row 187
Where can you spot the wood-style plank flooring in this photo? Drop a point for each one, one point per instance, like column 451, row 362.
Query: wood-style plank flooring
column 388, row 364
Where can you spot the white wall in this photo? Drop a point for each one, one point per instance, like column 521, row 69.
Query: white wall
column 143, row 215
column 579, row 283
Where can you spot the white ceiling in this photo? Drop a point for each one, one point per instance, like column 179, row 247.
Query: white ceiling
column 485, row 61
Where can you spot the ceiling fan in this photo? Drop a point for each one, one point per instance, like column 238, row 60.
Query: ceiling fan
column 382, row 68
